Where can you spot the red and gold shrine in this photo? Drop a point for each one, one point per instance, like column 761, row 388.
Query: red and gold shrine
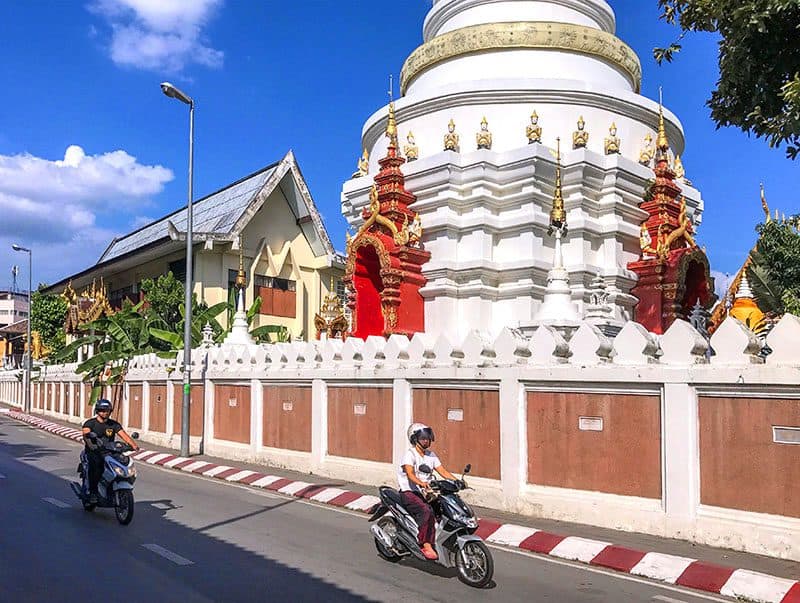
column 384, row 259
column 673, row 271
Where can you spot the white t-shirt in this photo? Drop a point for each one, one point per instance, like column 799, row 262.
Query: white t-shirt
column 415, row 459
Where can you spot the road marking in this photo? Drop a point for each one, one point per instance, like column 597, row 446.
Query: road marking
column 161, row 506
column 668, row 599
column 56, row 503
column 169, row 555
column 2, row 476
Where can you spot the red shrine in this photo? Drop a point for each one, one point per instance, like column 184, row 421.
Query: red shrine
column 673, row 272
column 384, row 260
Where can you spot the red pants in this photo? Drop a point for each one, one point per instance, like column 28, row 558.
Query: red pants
column 422, row 513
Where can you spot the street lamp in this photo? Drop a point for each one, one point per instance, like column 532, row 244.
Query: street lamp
column 28, row 367
column 173, row 92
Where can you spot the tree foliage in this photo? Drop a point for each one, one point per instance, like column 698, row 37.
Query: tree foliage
column 164, row 296
column 759, row 63
column 774, row 271
column 48, row 313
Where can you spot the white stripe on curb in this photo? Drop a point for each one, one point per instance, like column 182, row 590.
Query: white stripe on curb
column 140, row 456
column 575, row 548
column 294, row 488
column 667, row 568
column 756, row 587
column 511, row 535
column 363, row 503
column 158, row 457
column 265, row 481
column 177, row 460
column 239, row 476
column 327, row 494
column 196, row 465
column 216, row 470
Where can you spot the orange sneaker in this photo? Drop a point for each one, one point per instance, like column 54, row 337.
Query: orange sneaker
column 428, row 552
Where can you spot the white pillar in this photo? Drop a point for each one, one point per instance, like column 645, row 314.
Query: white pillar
column 402, row 415
column 681, row 453
column 169, row 426
column 256, row 415
column 513, row 438
column 208, row 414
column 145, row 406
column 319, row 423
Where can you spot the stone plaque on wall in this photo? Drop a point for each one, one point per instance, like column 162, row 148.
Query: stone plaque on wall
column 590, row 423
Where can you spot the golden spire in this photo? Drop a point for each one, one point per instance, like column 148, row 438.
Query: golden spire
column 391, row 127
column 241, row 281
column 662, row 142
column 764, row 205
column 558, row 216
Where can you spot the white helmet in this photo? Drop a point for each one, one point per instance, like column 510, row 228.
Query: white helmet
column 418, row 430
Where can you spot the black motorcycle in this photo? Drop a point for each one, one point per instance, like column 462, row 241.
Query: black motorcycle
column 395, row 531
column 115, row 489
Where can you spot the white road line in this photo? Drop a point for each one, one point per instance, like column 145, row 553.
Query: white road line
column 667, row 599
column 2, row 476
column 56, row 503
column 169, row 555
column 162, row 506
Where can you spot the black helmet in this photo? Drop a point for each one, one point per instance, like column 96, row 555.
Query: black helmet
column 103, row 404
column 419, row 430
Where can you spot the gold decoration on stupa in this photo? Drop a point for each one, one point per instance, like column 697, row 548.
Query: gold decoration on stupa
column 391, row 127
column 484, row 136
column 534, row 131
column 558, row 215
column 451, row 138
column 410, row 150
column 580, row 137
column 612, row 143
column 363, row 165
column 648, row 151
column 241, row 278
column 662, row 142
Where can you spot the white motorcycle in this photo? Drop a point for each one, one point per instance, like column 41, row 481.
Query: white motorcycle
column 395, row 531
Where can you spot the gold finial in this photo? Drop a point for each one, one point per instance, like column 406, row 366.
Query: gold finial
column 764, row 205
column 558, row 217
column 241, row 281
column 662, row 142
column 391, row 127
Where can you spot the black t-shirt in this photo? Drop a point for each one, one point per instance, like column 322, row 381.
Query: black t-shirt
column 105, row 431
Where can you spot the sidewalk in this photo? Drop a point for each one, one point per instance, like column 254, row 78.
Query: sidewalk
column 674, row 561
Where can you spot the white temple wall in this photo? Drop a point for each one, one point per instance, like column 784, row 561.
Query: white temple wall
column 557, row 422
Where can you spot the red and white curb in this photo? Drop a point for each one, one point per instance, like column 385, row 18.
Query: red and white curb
column 682, row 571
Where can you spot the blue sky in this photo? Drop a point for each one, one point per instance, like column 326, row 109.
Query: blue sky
column 268, row 77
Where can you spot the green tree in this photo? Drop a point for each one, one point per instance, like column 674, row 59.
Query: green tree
column 164, row 297
column 116, row 339
column 48, row 313
column 759, row 63
column 774, row 271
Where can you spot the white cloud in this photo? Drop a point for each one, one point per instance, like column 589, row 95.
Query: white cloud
column 52, row 205
column 159, row 35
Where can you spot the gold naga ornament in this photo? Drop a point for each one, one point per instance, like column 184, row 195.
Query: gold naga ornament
column 484, row 137
column 664, row 242
column 580, row 137
column 534, row 131
column 451, row 138
column 82, row 309
column 401, row 236
column 363, row 165
column 612, row 143
column 411, row 150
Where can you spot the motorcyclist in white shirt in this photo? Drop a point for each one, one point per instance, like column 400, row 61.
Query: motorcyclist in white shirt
column 414, row 485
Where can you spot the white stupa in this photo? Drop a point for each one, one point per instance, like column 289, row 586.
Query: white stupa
column 485, row 211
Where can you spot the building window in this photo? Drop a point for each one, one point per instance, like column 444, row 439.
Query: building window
column 178, row 269
column 278, row 296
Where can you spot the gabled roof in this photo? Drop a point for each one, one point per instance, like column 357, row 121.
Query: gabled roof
column 224, row 214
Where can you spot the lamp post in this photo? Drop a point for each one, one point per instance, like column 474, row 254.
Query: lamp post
column 173, row 92
column 27, row 403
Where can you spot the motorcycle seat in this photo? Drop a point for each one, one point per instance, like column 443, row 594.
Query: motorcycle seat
column 391, row 495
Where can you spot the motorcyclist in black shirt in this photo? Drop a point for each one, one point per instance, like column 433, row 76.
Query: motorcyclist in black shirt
column 106, row 429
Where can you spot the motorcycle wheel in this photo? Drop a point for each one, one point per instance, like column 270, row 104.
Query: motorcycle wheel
column 475, row 564
column 388, row 525
column 124, row 508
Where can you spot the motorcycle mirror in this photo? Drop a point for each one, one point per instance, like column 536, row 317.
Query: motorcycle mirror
column 425, row 469
column 135, row 435
column 467, row 468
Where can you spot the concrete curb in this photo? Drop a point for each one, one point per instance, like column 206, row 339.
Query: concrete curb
column 683, row 571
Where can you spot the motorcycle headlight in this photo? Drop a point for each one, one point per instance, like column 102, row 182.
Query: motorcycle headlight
column 131, row 471
column 119, row 471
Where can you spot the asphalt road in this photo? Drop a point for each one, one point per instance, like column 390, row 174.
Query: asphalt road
column 194, row 539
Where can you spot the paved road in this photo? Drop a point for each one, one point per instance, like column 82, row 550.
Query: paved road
column 194, row 539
